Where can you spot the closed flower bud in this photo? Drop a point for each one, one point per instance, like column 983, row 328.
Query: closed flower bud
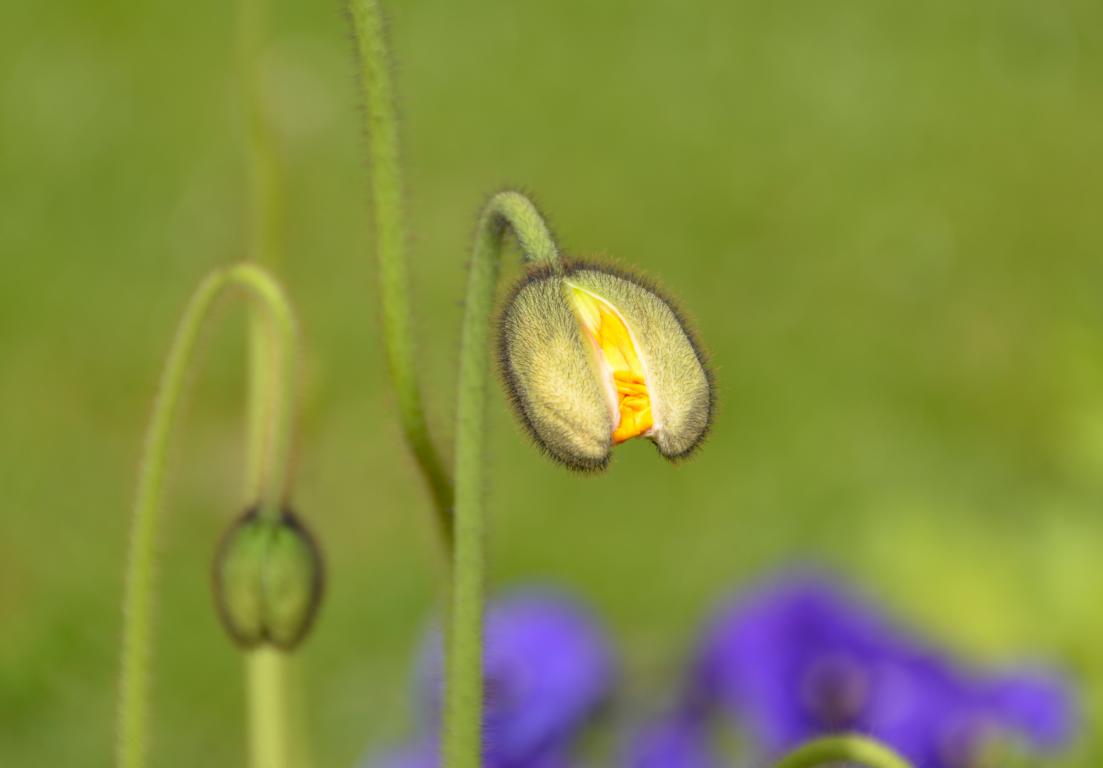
column 593, row 357
column 268, row 577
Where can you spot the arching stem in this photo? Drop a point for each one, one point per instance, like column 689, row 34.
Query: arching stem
column 463, row 703
column 272, row 473
column 381, row 123
column 845, row 748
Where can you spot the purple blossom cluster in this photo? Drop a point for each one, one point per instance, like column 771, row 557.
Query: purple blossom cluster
column 548, row 669
column 798, row 658
column 802, row 658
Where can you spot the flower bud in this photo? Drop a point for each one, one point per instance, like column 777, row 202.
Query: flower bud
column 593, row 357
column 268, row 577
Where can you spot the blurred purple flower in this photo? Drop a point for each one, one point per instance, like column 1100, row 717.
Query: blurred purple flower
column 802, row 658
column 548, row 668
column 968, row 715
column 679, row 741
column 426, row 754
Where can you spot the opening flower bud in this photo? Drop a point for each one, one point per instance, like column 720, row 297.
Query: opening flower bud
column 268, row 577
column 594, row 357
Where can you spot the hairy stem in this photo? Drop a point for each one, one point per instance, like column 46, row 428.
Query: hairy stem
column 272, row 473
column 381, row 124
column 849, row 748
column 464, row 682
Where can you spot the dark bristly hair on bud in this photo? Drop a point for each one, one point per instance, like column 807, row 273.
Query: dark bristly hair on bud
column 593, row 356
column 268, row 579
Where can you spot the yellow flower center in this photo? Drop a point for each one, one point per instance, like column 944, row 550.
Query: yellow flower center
column 619, row 361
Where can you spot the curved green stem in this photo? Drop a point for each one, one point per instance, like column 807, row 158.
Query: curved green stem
column 850, row 747
column 381, row 123
column 272, row 476
column 464, row 682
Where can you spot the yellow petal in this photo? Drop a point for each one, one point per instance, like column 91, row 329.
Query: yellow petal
column 679, row 386
column 620, row 362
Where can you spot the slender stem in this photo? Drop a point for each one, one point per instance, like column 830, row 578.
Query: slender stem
column 264, row 171
column 138, row 600
column 850, row 747
column 459, row 518
column 265, row 201
column 276, row 417
column 267, row 680
column 264, row 176
column 464, row 688
column 273, row 743
column 381, row 122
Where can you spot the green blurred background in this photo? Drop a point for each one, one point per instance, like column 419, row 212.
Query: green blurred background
column 884, row 217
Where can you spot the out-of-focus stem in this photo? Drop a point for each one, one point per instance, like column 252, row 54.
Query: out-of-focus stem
column 267, row 678
column 381, row 124
column 264, row 170
column 275, row 738
column 272, row 473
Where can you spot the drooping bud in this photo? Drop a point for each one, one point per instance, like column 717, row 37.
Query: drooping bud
column 268, row 579
column 594, row 357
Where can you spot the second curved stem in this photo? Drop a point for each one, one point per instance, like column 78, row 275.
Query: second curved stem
column 464, row 679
